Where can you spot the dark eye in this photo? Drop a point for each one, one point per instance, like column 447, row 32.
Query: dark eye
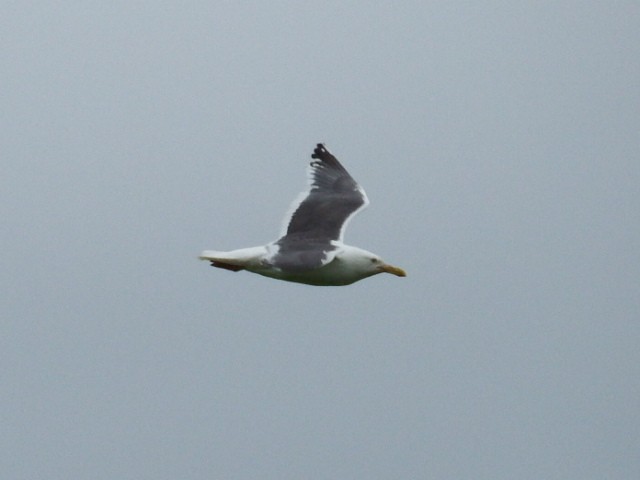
column 373, row 260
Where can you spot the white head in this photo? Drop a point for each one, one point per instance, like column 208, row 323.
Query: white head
column 364, row 263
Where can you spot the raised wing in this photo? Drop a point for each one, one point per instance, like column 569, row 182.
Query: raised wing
column 333, row 199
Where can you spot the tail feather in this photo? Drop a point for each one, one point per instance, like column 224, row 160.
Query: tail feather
column 234, row 260
column 226, row 266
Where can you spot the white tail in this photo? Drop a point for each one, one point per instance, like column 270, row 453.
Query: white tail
column 235, row 259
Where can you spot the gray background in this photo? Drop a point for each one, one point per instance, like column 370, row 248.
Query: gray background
column 498, row 143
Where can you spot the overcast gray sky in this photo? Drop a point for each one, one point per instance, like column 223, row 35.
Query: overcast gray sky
column 498, row 143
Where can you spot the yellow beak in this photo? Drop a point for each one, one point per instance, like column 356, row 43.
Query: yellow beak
column 393, row 270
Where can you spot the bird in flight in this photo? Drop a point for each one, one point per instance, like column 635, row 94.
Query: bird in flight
column 311, row 249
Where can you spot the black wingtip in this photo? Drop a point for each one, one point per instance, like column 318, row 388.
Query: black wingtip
column 320, row 151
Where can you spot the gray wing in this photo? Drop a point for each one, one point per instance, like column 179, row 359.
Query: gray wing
column 334, row 197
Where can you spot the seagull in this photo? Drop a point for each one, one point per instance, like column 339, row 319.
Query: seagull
column 311, row 250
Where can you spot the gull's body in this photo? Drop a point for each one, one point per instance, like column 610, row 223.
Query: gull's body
column 311, row 250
